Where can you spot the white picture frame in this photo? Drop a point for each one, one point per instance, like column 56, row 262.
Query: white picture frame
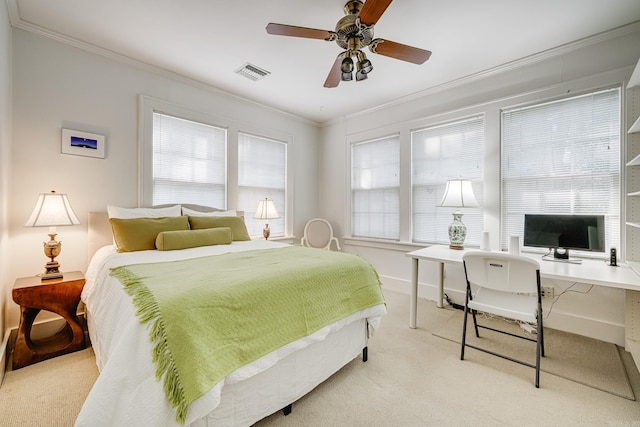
column 81, row 143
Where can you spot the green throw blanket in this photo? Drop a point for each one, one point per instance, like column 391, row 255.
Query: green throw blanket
column 209, row 316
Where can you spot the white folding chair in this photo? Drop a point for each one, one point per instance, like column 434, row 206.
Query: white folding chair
column 508, row 286
column 318, row 233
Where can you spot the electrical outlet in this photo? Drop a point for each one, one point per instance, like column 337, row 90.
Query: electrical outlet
column 547, row 291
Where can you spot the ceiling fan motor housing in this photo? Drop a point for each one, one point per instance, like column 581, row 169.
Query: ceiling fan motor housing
column 349, row 28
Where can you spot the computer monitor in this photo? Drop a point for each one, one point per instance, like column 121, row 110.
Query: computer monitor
column 564, row 232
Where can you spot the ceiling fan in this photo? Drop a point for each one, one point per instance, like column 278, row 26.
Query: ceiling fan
column 353, row 33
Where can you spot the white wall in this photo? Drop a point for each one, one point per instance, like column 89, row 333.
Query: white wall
column 5, row 162
column 56, row 85
column 589, row 64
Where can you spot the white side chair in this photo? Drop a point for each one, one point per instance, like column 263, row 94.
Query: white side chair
column 318, row 233
column 508, row 286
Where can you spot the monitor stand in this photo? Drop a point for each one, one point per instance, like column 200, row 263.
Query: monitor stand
column 561, row 255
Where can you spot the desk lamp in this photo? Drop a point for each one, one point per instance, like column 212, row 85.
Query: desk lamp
column 266, row 210
column 458, row 194
column 52, row 210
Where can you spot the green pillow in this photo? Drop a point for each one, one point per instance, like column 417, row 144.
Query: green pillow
column 139, row 234
column 183, row 239
column 235, row 223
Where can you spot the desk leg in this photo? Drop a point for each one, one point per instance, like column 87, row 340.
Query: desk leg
column 413, row 304
column 440, row 299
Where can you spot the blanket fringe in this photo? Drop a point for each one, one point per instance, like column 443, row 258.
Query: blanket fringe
column 149, row 312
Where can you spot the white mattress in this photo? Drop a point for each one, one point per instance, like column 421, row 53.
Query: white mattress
column 126, row 392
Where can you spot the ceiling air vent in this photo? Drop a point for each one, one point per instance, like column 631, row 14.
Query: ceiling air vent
column 252, row 72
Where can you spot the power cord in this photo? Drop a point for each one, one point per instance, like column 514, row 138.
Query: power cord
column 526, row 327
column 453, row 304
column 564, row 292
column 530, row 329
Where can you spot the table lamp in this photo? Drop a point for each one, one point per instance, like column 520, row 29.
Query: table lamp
column 52, row 210
column 458, row 194
column 266, row 210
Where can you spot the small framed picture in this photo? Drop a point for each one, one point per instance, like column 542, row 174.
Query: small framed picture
column 82, row 143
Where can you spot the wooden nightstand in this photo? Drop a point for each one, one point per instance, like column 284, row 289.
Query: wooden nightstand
column 60, row 296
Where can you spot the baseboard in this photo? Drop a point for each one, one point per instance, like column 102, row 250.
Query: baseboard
column 592, row 328
column 425, row 291
column 4, row 354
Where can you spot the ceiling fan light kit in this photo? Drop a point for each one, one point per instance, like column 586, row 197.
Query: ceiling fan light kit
column 354, row 32
column 347, row 65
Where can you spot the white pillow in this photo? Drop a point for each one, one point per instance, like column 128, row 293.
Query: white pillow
column 127, row 213
column 187, row 211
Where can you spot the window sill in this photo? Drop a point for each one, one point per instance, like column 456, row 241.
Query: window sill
column 282, row 239
column 383, row 244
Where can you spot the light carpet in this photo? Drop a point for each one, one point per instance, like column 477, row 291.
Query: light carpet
column 587, row 361
column 48, row 393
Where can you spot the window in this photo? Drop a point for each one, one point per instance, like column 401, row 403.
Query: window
column 262, row 172
column 189, row 162
column 562, row 157
column 375, row 188
column 439, row 153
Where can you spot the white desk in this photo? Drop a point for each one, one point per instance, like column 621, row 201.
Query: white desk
column 591, row 271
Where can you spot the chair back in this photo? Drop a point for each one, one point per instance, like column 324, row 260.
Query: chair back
column 501, row 271
column 318, row 233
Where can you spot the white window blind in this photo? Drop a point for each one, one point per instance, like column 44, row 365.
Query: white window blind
column 189, row 162
column 375, row 188
column 562, row 157
column 439, row 153
column 262, row 173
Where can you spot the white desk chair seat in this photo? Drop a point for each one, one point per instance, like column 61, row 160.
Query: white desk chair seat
column 318, row 233
column 508, row 286
column 517, row 307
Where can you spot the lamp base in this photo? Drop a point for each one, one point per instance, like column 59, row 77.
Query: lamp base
column 52, row 271
column 266, row 232
column 457, row 232
column 52, row 249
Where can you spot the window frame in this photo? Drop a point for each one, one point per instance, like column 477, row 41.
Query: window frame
column 477, row 182
column 349, row 211
column 148, row 106
column 284, row 211
column 620, row 240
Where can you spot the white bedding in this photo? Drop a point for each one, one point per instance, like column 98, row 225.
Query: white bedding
column 126, row 392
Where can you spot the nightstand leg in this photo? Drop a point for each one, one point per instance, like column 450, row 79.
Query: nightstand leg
column 27, row 351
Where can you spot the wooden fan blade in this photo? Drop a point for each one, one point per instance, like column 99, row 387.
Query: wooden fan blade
column 335, row 75
column 400, row 51
column 293, row 31
column 373, row 10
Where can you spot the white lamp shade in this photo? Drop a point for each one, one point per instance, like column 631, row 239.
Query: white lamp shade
column 459, row 194
column 266, row 210
column 52, row 210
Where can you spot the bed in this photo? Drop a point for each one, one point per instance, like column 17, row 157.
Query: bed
column 127, row 392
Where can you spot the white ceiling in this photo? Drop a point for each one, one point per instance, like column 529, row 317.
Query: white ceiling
column 207, row 40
